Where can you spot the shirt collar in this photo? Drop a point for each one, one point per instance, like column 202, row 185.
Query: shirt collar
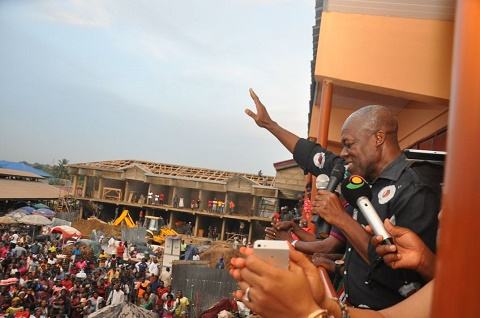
column 394, row 169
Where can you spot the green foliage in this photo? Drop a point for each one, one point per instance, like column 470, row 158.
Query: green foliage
column 59, row 171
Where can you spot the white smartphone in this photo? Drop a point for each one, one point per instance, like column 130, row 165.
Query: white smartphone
column 276, row 253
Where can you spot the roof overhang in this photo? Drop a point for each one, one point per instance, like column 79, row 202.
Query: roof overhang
column 19, row 189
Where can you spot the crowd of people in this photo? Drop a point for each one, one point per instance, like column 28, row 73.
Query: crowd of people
column 376, row 280
column 37, row 280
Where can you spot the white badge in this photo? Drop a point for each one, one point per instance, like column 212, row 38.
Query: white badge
column 386, row 194
column 319, row 159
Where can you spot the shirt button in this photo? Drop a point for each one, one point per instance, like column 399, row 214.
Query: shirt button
column 344, row 272
column 349, row 249
column 366, row 283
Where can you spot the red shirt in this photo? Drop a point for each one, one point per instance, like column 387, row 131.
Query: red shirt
column 120, row 251
column 67, row 284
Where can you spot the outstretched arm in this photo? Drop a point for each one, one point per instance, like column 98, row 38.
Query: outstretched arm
column 263, row 120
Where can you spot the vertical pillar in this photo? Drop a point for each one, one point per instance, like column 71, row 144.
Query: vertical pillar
column 75, row 184
column 202, row 205
column 222, row 233
column 195, row 230
column 84, row 190
column 225, row 204
column 100, row 188
column 125, row 195
column 460, row 209
column 250, row 230
column 323, row 125
column 254, row 205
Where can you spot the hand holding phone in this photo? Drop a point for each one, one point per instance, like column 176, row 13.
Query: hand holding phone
column 276, row 253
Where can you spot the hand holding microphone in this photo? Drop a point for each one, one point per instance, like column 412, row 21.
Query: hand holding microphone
column 328, row 184
column 358, row 194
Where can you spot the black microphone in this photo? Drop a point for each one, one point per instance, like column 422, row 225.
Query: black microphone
column 358, row 194
column 338, row 173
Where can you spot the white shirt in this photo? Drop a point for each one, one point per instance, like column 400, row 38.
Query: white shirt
column 153, row 268
column 116, row 297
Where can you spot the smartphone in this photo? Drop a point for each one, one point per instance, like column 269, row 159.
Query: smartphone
column 276, row 253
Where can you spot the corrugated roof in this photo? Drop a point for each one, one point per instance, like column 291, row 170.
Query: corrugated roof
column 19, row 189
column 17, row 173
column 19, row 166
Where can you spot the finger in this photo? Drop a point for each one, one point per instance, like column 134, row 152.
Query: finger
column 368, row 228
column 253, row 95
column 383, row 250
column 256, row 268
column 250, row 113
column 246, row 250
column 376, row 240
column 391, row 259
column 394, row 230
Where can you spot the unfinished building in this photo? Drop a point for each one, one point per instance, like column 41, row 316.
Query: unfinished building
column 107, row 187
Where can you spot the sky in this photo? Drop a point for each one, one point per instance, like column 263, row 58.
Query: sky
column 154, row 80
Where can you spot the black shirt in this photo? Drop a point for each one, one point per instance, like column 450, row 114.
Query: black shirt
column 398, row 194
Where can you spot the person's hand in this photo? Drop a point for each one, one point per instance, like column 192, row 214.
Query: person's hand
column 409, row 250
column 273, row 234
column 318, row 259
column 267, row 285
column 283, row 225
column 279, row 231
column 327, row 205
column 262, row 118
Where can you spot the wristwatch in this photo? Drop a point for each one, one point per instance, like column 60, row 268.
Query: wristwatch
column 338, row 264
column 294, row 242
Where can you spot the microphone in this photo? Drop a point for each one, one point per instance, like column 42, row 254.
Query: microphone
column 358, row 194
column 338, row 172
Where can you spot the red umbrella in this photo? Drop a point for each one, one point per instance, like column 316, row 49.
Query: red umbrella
column 66, row 231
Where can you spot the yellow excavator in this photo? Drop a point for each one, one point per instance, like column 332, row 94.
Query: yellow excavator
column 156, row 230
column 125, row 216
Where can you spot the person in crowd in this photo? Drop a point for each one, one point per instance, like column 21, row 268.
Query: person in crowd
column 182, row 305
column 169, row 307
column 371, row 150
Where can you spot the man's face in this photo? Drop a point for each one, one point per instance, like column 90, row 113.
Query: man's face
column 359, row 150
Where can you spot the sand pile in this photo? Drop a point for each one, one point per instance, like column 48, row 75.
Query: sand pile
column 87, row 226
column 217, row 250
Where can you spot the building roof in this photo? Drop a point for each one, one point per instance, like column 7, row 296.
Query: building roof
column 19, row 174
column 163, row 169
column 20, row 189
column 20, row 166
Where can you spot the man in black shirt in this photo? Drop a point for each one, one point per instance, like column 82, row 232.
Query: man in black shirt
column 370, row 149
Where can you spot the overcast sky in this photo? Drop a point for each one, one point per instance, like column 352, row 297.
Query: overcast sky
column 156, row 80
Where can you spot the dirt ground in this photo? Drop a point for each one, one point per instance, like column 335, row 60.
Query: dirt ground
column 87, row 226
column 217, row 250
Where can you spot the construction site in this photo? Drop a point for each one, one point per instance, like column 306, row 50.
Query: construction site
column 123, row 191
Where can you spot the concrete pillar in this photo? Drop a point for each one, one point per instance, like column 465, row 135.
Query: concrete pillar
column 195, row 229
column 222, row 233
column 250, row 230
column 75, row 184
column 100, row 188
column 225, row 204
column 254, row 205
column 84, row 190
column 125, row 195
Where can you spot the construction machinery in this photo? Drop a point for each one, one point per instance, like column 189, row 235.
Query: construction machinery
column 125, row 216
column 156, row 229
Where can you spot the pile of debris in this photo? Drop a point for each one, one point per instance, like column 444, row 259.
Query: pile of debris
column 87, row 226
column 217, row 250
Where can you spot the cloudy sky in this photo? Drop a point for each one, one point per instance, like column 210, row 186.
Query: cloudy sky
column 156, row 80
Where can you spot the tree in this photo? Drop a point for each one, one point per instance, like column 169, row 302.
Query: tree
column 60, row 171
